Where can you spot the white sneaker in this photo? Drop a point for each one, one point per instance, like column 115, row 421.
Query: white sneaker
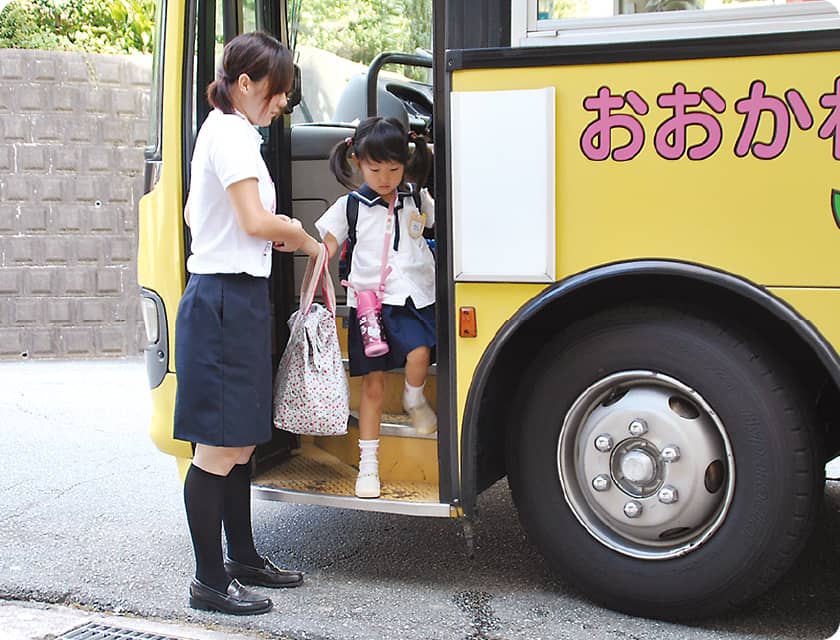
column 367, row 485
column 423, row 419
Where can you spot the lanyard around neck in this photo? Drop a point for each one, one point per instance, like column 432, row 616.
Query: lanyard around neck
column 386, row 245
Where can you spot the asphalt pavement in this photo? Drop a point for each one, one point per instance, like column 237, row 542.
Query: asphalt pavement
column 92, row 532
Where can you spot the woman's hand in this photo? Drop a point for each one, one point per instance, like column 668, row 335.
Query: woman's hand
column 303, row 241
column 296, row 237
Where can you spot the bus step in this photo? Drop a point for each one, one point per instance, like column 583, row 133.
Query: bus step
column 312, row 470
column 394, row 424
column 431, row 371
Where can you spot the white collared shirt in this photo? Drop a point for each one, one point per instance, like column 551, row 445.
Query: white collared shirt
column 412, row 264
column 227, row 150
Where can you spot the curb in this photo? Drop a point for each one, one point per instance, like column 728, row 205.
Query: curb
column 20, row 620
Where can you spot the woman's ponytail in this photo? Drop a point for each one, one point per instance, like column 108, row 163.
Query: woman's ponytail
column 218, row 94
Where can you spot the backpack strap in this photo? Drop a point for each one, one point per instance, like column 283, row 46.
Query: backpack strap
column 352, row 212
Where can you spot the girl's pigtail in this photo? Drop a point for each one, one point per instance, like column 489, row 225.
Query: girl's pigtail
column 340, row 163
column 420, row 161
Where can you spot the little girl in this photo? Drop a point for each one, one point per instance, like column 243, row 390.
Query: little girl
column 379, row 150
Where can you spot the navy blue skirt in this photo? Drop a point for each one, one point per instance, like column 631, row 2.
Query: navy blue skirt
column 406, row 328
column 223, row 361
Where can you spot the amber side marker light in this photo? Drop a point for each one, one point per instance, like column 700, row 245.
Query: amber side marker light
column 467, row 327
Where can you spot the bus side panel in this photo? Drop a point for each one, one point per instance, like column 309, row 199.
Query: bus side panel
column 725, row 162
column 160, row 252
column 757, row 204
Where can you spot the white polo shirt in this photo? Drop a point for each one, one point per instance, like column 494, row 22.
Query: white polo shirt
column 412, row 263
column 227, row 150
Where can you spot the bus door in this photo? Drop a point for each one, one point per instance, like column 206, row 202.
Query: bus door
column 189, row 44
column 336, row 93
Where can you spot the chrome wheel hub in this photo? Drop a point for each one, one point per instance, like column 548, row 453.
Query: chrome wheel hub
column 636, row 468
column 646, row 465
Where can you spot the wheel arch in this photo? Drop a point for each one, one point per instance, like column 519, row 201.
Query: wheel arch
column 489, row 409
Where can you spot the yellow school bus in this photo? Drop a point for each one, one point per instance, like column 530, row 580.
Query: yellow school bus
column 637, row 231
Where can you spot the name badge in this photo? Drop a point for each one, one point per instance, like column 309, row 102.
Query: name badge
column 416, row 224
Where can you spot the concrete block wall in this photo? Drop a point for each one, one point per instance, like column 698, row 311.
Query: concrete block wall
column 72, row 131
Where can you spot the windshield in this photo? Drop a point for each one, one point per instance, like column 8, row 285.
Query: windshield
column 335, row 41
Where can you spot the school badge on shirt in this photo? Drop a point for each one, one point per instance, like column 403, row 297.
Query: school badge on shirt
column 416, row 224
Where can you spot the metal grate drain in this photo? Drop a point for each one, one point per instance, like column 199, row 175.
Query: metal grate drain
column 94, row 631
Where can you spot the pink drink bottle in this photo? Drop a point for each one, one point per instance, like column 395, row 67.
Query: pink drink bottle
column 369, row 312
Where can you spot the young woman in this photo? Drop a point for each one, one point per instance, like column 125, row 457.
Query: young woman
column 222, row 332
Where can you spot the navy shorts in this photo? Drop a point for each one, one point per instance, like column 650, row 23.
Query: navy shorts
column 223, row 361
column 406, row 328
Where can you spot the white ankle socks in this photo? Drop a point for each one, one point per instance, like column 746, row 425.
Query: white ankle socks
column 368, row 460
column 413, row 396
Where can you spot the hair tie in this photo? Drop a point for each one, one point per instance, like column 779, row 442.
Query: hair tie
column 348, row 141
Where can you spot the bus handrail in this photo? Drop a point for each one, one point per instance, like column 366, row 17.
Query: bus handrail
column 376, row 66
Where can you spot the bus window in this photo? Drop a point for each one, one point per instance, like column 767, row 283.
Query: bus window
column 153, row 151
column 153, row 144
column 250, row 19
column 335, row 42
column 598, row 21
column 563, row 9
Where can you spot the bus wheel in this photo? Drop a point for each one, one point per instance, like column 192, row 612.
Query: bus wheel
column 666, row 463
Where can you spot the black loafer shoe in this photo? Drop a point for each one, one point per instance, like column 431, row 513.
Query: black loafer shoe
column 269, row 575
column 238, row 600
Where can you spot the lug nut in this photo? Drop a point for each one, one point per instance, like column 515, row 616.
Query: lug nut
column 668, row 494
column 671, row 453
column 601, row 482
column 603, row 442
column 638, row 427
column 633, row 509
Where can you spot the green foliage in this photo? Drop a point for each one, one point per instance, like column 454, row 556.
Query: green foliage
column 101, row 26
column 559, row 9
column 359, row 30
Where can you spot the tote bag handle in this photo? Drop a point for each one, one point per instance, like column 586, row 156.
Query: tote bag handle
column 317, row 275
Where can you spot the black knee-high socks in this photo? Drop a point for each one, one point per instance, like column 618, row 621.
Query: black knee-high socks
column 237, row 517
column 211, row 500
column 204, row 495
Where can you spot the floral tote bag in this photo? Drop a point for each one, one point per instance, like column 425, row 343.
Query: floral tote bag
column 311, row 393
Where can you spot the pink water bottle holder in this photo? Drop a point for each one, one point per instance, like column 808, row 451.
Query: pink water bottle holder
column 369, row 314
column 369, row 301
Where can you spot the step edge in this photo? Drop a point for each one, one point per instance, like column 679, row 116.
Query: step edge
column 394, row 429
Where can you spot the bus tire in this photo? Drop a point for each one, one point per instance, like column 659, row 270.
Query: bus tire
column 666, row 463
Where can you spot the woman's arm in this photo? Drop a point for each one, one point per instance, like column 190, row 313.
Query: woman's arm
column 254, row 220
